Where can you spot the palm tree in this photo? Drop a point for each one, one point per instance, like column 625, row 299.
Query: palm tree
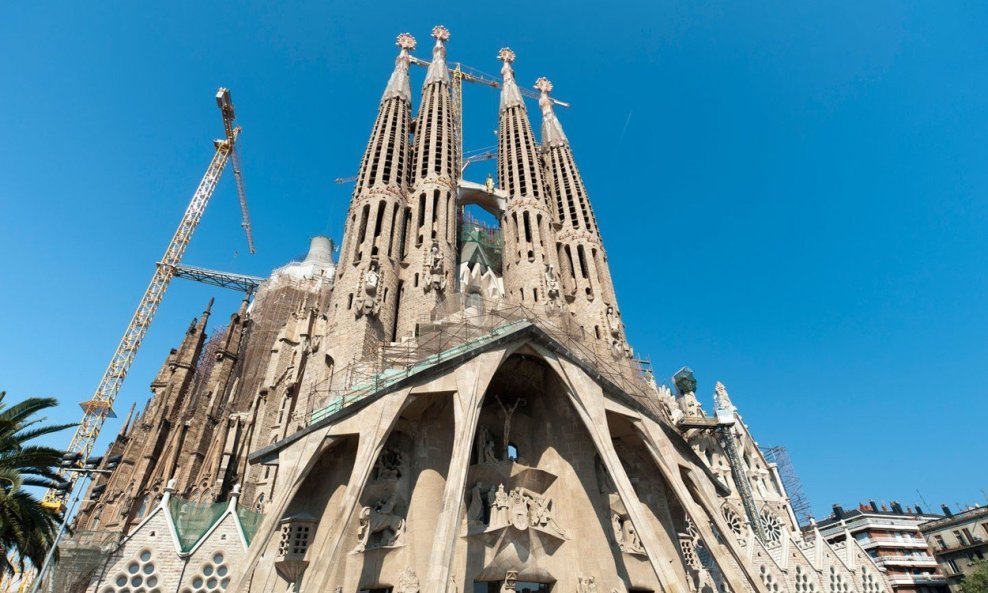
column 27, row 528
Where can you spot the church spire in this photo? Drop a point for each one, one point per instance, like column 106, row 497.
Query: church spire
column 429, row 244
column 552, row 130
column 510, row 93
column 364, row 303
column 529, row 259
column 398, row 83
column 586, row 277
column 438, row 72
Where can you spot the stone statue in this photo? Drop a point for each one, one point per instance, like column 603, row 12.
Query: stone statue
column 499, row 508
column 586, row 585
column 388, row 465
column 485, row 446
column 542, row 516
column 368, row 304
column 615, row 330
column 380, row 519
column 508, row 411
column 618, row 531
column 475, row 511
column 551, row 282
column 437, row 270
column 408, row 582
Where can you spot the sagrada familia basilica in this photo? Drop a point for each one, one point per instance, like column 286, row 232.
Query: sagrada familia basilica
column 448, row 408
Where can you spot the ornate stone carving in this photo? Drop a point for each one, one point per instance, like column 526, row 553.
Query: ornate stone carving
column 522, row 508
column 486, row 450
column 510, row 578
column 368, row 303
column 615, row 331
column 389, row 464
column 436, row 268
column 475, row 509
column 586, row 584
column 408, row 582
column 499, row 506
column 508, row 411
column 380, row 519
column 625, row 535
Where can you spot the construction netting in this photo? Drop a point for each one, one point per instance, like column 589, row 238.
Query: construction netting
column 193, row 519
column 250, row 521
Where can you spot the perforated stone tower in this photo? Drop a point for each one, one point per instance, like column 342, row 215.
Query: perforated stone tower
column 402, row 428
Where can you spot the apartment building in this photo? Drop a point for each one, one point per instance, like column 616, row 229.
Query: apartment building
column 890, row 535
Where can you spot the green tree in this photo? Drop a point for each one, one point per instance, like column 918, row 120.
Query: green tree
column 977, row 581
column 27, row 528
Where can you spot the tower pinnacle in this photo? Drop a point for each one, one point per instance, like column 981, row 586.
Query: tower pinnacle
column 438, row 72
column 510, row 94
column 552, row 130
column 398, row 83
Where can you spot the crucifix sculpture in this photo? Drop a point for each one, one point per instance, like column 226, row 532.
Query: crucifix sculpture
column 508, row 411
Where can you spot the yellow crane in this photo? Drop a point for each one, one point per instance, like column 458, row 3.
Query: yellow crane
column 100, row 406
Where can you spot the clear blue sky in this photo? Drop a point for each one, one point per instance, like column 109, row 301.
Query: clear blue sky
column 792, row 194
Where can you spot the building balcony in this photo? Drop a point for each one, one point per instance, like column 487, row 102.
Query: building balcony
column 891, row 542
column 898, row 560
column 917, row 579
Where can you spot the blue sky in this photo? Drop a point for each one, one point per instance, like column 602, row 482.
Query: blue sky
column 792, row 194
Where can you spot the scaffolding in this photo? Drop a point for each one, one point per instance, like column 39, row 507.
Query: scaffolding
column 790, row 481
column 456, row 326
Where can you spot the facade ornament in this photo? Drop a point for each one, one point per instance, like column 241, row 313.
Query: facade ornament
column 368, row 303
column 551, row 282
column 508, row 412
column 615, row 332
column 521, row 508
column 510, row 578
column 475, row 510
column 499, row 506
column 437, row 269
column 486, row 451
column 586, row 584
column 625, row 535
column 389, row 464
column 380, row 519
column 408, row 582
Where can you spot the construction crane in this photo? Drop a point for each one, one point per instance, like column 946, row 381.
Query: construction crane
column 100, row 407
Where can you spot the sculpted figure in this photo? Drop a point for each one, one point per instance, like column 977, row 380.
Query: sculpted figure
column 408, row 582
column 437, row 276
column 542, row 515
column 499, row 510
column 378, row 519
column 551, row 282
column 475, row 512
column 618, row 531
column 485, row 446
column 368, row 301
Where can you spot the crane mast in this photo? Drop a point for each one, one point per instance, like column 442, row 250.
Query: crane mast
column 98, row 408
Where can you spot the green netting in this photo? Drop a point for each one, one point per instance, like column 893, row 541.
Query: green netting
column 250, row 521
column 193, row 519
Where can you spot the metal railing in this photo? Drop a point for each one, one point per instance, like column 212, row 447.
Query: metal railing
column 454, row 327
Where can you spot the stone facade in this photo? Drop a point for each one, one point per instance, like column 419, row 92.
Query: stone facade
column 406, row 428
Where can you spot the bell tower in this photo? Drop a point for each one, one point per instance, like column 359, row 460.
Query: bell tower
column 586, row 278
column 430, row 249
column 365, row 299
column 530, row 276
